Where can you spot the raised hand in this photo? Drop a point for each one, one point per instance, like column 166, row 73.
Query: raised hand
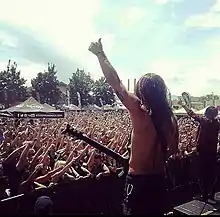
column 29, row 143
column 39, row 167
column 96, row 47
column 180, row 101
column 98, row 176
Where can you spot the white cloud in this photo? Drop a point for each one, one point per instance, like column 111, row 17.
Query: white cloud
column 69, row 26
column 216, row 7
column 208, row 68
column 8, row 40
column 66, row 24
column 207, row 20
column 132, row 15
column 192, row 74
column 135, row 13
column 210, row 19
column 161, row 2
column 28, row 70
column 165, row 66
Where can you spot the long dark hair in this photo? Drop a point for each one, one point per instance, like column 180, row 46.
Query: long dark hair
column 154, row 94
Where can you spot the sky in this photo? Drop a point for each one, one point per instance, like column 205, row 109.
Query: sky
column 177, row 39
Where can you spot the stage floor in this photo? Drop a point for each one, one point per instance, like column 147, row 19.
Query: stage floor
column 197, row 207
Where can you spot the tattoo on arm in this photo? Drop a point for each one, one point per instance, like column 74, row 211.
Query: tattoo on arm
column 108, row 70
column 112, row 78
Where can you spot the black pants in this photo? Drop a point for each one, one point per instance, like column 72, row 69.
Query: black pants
column 207, row 165
column 144, row 195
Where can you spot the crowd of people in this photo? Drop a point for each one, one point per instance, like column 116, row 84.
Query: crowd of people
column 188, row 129
column 35, row 154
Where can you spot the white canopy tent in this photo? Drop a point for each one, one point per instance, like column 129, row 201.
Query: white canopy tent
column 48, row 106
column 120, row 107
column 96, row 107
column 107, row 107
column 182, row 111
column 92, row 108
column 31, row 108
column 202, row 111
column 115, row 107
column 71, row 107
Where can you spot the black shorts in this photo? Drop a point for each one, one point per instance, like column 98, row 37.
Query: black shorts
column 144, row 195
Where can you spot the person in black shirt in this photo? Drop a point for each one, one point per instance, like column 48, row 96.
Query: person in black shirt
column 207, row 140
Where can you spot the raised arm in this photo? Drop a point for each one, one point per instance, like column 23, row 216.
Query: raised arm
column 130, row 101
column 105, row 172
column 61, row 172
column 190, row 112
column 26, row 184
column 23, row 158
column 47, row 149
column 79, row 157
column 91, row 160
column 14, row 154
column 35, row 158
column 47, row 177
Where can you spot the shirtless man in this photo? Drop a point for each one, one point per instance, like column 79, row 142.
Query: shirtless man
column 154, row 137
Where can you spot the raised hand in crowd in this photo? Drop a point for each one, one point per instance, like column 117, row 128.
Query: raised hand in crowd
column 42, row 155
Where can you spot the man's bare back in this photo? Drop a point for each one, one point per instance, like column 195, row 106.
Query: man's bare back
column 147, row 156
column 146, row 153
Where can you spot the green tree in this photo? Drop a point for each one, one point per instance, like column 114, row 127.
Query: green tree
column 216, row 97
column 12, row 85
column 103, row 91
column 81, row 82
column 46, row 86
column 32, row 92
column 209, row 97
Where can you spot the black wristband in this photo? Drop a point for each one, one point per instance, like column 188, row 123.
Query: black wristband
column 102, row 54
